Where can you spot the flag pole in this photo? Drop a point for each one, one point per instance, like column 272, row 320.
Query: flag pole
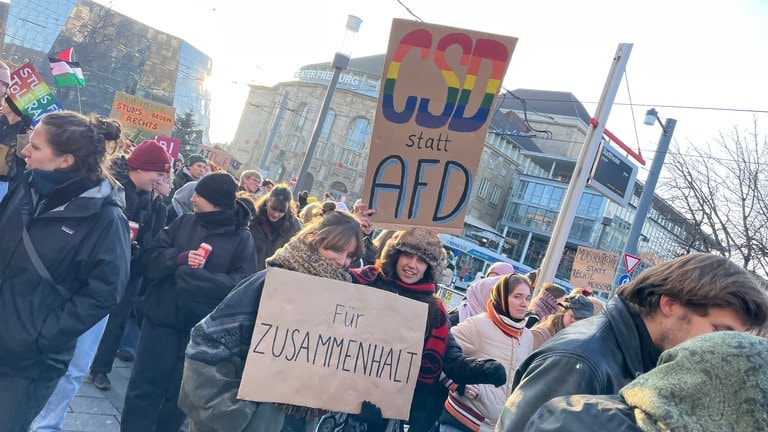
column 79, row 104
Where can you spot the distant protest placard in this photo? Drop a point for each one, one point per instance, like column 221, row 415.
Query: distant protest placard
column 327, row 344
column 221, row 158
column 433, row 112
column 171, row 145
column 31, row 94
column 594, row 269
column 135, row 112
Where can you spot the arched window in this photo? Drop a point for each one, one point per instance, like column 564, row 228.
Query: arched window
column 358, row 134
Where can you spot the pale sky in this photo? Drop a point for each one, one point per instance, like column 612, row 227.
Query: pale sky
column 686, row 54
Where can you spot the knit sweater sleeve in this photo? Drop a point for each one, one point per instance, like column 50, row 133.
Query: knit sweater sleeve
column 215, row 358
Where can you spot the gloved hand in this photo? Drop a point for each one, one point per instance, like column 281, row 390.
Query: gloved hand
column 531, row 319
column 370, row 414
column 485, row 371
column 135, row 249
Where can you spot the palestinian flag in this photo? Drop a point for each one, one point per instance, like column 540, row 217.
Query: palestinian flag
column 66, row 73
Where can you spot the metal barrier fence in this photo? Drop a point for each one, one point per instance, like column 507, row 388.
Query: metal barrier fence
column 451, row 296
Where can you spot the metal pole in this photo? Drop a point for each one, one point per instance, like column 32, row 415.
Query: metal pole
column 646, row 197
column 272, row 134
column 340, row 62
column 581, row 171
column 605, row 223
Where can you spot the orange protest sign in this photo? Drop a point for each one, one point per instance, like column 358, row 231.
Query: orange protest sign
column 139, row 113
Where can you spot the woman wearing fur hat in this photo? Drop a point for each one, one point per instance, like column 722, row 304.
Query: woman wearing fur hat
column 219, row 344
column 500, row 333
column 410, row 265
column 187, row 286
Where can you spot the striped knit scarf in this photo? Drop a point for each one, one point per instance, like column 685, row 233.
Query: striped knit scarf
column 436, row 334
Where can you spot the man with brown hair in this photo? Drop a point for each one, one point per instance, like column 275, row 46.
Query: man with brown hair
column 666, row 305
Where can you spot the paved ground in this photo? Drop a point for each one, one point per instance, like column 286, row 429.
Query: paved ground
column 94, row 410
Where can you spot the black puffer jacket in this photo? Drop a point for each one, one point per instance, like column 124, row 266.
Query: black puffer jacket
column 180, row 296
column 595, row 356
column 84, row 245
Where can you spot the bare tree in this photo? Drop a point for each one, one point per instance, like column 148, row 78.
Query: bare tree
column 723, row 188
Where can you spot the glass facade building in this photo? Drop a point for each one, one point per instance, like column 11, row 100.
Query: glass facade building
column 115, row 52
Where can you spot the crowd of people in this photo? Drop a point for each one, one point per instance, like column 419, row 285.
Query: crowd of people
column 108, row 251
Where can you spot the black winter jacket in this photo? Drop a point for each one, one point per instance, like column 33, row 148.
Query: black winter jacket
column 267, row 242
column 84, row 246
column 180, row 295
column 595, row 356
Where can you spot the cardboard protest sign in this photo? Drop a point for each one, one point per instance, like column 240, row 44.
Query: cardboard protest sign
column 594, row 269
column 433, row 112
column 135, row 112
column 221, row 158
column 171, row 145
column 31, row 94
column 327, row 344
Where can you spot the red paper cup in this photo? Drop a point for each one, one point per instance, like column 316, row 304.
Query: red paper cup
column 204, row 249
column 134, row 227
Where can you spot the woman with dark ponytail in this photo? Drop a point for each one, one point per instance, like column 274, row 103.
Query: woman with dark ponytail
column 64, row 256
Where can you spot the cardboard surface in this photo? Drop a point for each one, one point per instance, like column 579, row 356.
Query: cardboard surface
column 328, row 344
column 594, row 269
column 433, row 112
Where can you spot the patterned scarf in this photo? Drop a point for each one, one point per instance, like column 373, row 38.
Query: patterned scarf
column 298, row 256
column 498, row 310
column 436, row 334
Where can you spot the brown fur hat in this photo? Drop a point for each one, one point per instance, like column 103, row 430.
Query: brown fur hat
column 422, row 242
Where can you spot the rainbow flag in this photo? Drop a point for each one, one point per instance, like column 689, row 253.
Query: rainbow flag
column 66, row 73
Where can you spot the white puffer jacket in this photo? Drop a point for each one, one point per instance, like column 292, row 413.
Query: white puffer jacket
column 479, row 337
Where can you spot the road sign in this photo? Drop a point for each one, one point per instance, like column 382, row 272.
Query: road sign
column 624, row 279
column 630, row 262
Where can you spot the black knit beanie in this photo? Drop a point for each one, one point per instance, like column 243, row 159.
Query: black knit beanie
column 218, row 188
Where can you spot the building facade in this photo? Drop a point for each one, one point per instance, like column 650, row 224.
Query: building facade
column 531, row 149
column 116, row 53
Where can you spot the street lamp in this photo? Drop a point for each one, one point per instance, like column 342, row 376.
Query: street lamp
column 339, row 63
column 646, row 197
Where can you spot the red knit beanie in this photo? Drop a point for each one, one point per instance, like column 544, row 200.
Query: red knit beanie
column 149, row 156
